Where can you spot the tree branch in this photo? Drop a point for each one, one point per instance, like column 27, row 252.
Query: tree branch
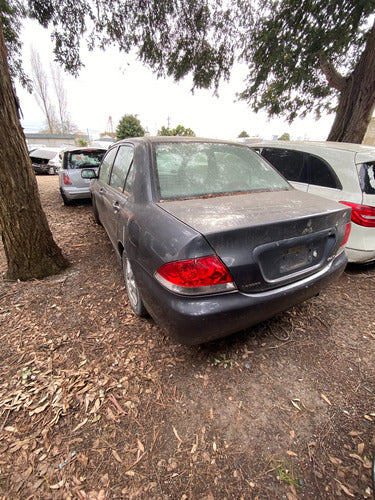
column 334, row 78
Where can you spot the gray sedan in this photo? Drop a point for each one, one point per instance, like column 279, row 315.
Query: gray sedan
column 211, row 238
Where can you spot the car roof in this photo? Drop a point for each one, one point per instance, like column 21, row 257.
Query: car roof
column 346, row 146
column 84, row 148
column 361, row 153
column 44, row 153
column 159, row 139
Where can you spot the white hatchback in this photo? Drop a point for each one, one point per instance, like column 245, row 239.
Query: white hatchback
column 338, row 171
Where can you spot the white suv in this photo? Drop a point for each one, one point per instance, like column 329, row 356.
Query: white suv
column 338, row 171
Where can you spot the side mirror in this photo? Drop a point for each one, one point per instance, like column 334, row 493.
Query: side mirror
column 88, row 173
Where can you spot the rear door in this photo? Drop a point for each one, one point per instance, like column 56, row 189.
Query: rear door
column 291, row 164
column 116, row 198
column 102, row 189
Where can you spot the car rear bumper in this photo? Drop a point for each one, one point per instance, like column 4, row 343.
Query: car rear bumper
column 194, row 320
column 41, row 169
column 360, row 247
column 360, row 256
column 73, row 193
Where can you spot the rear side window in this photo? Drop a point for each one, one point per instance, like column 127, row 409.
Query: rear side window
column 129, row 180
column 321, row 173
column 367, row 177
column 121, row 167
column 291, row 164
column 106, row 165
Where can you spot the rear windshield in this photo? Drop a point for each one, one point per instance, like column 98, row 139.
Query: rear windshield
column 85, row 159
column 367, row 177
column 201, row 169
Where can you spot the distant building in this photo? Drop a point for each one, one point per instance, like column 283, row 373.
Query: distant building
column 369, row 138
column 54, row 140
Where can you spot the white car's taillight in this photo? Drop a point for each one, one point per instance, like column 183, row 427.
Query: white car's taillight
column 361, row 214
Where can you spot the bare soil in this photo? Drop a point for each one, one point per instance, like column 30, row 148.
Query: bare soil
column 96, row 403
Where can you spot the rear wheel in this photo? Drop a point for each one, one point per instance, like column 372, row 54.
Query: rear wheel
column 135, row 300
column 65, row 199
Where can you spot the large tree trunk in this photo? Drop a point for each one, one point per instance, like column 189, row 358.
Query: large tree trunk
column 29, row 246
column 357, row 98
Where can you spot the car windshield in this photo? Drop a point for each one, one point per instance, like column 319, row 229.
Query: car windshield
column 202, row 169
column 367, row 177
column 85, row 159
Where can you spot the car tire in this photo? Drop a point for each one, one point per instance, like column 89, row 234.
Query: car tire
column 95, row 212
column 134, row 296
column 66, row 200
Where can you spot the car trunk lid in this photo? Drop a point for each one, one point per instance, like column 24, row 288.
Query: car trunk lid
column 266, row 239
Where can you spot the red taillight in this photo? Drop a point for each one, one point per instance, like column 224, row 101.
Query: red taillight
column 348, row 227
column 66, row 179
column 195, row 276
column 362, row 214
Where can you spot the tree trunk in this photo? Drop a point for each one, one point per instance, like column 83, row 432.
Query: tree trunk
column 29, row 246
column 357, row 98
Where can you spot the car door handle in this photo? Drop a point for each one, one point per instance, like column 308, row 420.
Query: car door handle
column 116, row 207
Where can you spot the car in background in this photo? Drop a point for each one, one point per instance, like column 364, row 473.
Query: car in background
column 72, row 185
column 33, row 147
column 212, row 239
column 103, row 142
column 341, row 172
column 46, row 160
column 56, row 161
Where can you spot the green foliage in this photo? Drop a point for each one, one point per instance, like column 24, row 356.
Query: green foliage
column 179, row 130
column 173, row 37
column 165, row 131
column 243, row 134
column 129, row 126
column 223, row 361
column 284, row 137
column 286, row 474
column 293, row 48
column 287, row 45
column 81, row 142
column 11, row 12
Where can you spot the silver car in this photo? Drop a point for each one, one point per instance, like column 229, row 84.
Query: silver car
column 72, row 185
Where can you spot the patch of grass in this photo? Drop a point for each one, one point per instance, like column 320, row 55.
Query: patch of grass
column 222, row 361
column 287, row 476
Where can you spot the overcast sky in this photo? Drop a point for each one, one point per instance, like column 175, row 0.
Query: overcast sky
column 112, row 85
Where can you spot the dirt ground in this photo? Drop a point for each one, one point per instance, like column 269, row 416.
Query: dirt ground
column 96, row 403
